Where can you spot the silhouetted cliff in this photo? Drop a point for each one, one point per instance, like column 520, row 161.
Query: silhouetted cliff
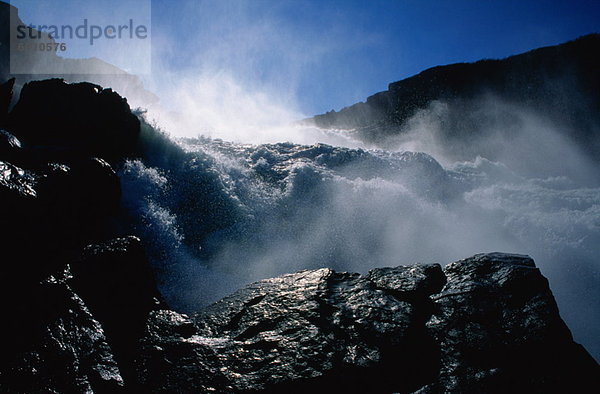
column 560, row 82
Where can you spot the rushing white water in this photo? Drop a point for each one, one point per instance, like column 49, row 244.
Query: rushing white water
column 216, row 215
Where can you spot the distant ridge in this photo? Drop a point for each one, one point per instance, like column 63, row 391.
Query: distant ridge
column 561, row 81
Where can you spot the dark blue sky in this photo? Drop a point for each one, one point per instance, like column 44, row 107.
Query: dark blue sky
column 329, row 54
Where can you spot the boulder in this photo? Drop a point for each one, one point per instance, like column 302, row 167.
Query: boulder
column 76, row 202
column 81, row 116
column 86, row 188
column 484, row 324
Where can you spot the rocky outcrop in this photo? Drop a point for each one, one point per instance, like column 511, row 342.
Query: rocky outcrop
column 50, row 211
column 310, row 330
column 485, row 324
column 499, row 331
column 68, row 330
column 54, row 340
column 56, row 196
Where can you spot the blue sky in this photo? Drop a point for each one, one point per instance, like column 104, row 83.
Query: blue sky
column 330, row 54
column 315, row 55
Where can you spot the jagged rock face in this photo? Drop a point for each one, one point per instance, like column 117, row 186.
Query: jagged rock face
column 490, row 329
column 15, row 182
column 55, row 198
column 81, row 116
column 52, row 344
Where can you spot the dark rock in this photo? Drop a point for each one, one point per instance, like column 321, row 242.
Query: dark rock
column 409, row 281
column 174, row 360
column 49, row 213
column 75, row 204
column 116, row 282
column 80, row 116
column 313, row 330
column 51, row 343
column 499, row 331
column 87, row 188
column 6, row 94
column 18, row 199
column 494, row 327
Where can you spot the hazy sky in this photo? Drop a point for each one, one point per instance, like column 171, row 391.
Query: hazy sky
column 314, row 55
column 330, row 54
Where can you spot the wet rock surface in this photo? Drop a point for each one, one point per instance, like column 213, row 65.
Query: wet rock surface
column 485, row 324
column 309, row 330
column 499, row 330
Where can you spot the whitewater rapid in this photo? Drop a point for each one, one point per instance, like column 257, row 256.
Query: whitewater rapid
column 216, row 215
